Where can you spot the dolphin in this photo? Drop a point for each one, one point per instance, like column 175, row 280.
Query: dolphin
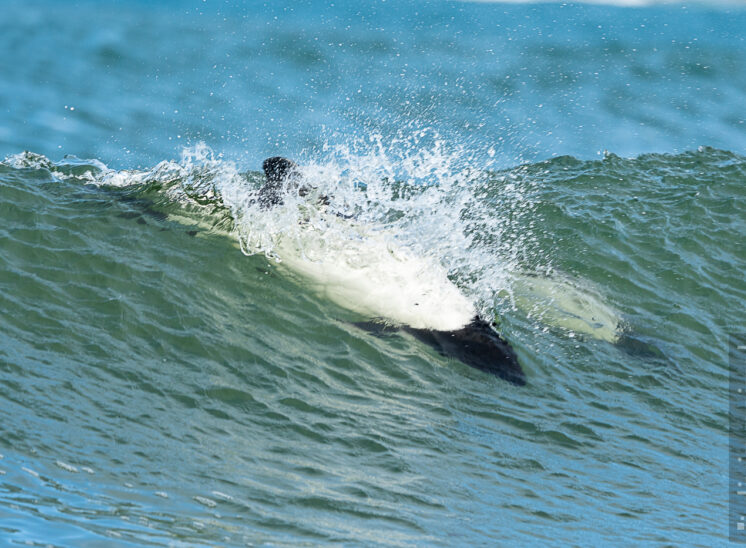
column 461, row 334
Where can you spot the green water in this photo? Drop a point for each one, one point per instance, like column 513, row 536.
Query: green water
column 159, row 386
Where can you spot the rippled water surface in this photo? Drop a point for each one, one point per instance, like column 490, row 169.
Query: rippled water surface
column 158, row 386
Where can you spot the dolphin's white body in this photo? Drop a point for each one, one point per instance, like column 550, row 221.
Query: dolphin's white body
column 367, row 273
column 371, row 275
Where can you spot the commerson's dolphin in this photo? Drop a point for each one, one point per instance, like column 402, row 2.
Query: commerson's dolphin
column 392, row 286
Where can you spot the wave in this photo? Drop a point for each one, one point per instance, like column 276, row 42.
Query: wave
column 402, row 225
column 595, row 249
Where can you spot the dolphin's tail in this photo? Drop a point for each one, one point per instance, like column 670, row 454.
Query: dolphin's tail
column 476, row 345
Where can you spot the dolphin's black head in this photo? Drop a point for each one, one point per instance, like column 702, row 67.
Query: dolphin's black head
column 277, row 168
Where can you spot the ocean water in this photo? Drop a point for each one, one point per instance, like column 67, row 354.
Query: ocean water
column 578, row 171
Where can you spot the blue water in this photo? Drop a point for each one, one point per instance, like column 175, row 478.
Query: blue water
column 252, row 80
column 160, row 387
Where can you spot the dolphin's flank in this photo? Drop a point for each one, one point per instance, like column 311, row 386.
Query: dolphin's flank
column 428, row 306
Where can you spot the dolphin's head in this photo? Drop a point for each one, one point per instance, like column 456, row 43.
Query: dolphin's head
column 281, row 174
column 277, row 169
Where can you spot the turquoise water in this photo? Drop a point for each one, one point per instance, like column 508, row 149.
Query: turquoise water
column 158, row 386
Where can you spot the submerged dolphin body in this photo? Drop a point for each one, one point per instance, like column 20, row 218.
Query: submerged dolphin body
column 406, row 291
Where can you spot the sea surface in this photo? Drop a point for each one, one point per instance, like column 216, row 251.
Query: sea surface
column 165, row 381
